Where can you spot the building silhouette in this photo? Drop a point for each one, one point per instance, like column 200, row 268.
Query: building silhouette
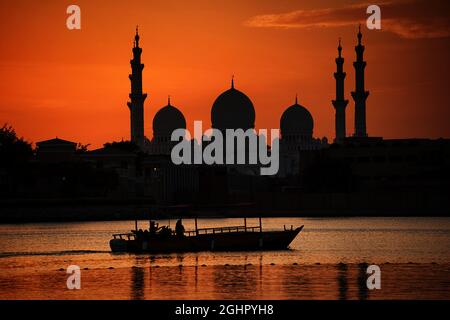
column 340, row 103
column 168, row 119
column 228, row 105
column 55, row 150
column 232, row 109
column 356, row 174
column 137, row 97
column 360, row 94
column 296, row 128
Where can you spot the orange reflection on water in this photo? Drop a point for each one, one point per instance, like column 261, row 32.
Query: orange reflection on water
column 312, row 282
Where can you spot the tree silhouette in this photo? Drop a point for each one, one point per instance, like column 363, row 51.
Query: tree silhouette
column 122, row 145
column 13, row 150
column 82, row 148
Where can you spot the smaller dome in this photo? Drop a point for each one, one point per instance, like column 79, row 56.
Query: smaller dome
column 296, row 120
column 168, row 119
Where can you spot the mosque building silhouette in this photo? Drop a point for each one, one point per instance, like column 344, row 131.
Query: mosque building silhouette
column 233, row 109
column 354, row 173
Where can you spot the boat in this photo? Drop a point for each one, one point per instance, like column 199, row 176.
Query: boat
column 234, row 238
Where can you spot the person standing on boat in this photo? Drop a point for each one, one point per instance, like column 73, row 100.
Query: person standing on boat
column 179, row 228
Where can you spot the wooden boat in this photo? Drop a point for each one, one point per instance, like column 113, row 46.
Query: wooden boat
column 236, row 238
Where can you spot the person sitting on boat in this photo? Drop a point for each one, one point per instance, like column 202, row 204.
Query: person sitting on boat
column 165, row 232
column 179, row 228
column 140, row 234
column 154, row 227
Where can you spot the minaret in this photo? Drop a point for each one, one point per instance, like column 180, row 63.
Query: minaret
column 137, row 98
column 360, row 95
column 340, row 103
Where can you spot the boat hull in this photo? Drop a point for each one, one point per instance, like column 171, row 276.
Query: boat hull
column 228, row 241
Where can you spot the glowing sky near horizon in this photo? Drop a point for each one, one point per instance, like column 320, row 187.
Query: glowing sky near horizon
column 74, row 84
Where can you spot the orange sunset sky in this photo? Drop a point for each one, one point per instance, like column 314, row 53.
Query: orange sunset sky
column 74, row 84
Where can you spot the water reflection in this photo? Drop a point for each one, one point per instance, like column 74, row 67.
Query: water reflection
column 196, row 274
column 296, row 282
column 234, row 279
column 363, row 291
column 260, row 272
column 342, row 280
column 138, row 279
column 263, row 281
column 30, row 270
column 246, row 280
column 170, row 281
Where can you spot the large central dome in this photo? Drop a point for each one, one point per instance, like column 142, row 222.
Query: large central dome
column 233, row 110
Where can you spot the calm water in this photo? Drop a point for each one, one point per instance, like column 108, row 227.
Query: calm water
column 327, row 260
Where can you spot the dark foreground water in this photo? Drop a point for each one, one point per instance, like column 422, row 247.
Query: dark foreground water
column 328, row 260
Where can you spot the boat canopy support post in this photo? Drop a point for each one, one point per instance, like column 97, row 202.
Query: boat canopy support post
column 245, row 223
column 135, row 225
column 260, row 224
column 196, row 226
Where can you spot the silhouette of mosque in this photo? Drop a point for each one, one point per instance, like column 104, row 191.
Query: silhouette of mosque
column 356, row 173
column 356, row 162
column 233, row 109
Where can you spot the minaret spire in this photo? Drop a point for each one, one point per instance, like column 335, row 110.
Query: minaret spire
column 340, row 103
column 296, row 98
column 360, row 94
column 359, row 34
column 137, row 97
column 340, row 48
column 232, row 81
column 136, row 38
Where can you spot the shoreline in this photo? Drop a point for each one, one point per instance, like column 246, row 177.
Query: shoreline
column 287, row 204
column 125, row 212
